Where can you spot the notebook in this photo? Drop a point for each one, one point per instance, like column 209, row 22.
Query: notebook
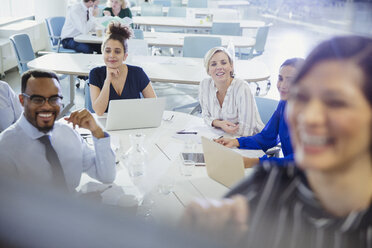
column 134, row 113
column 223, row 164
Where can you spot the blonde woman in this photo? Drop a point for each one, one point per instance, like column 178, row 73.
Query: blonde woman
column 227, row 102
column 118, row 8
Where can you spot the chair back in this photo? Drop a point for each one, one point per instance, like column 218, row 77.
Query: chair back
column 138, row 34
column 198, row 46
column 164, row 3
column 266, row 107
column 23, row 50
column 226, row 28
column 176, row 3
column 177, row 11
column 151, row 10
column 138, row 47
column 197, row 3
column 226, row 14
column 88, row 101
column 261, row 38
column 54, row 25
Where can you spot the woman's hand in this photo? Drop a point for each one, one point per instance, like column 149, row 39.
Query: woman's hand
column 228, row 142
column 226, row 126
column 106, row 13
column 111, row 73
column 224, row 219
column 250, row 162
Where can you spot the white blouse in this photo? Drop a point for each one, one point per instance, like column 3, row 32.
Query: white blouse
column 239, row 106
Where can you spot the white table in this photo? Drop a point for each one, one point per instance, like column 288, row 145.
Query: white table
column 164, row 153
column 166, row 39
column 191, row 23
column 158, row 68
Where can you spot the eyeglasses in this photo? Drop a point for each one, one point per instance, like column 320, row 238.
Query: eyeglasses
column 40, row 100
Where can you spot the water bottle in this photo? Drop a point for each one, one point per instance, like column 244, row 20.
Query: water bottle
column 136, row 157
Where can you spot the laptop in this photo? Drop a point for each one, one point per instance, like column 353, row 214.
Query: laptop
column 134, row 113
column 223, row 164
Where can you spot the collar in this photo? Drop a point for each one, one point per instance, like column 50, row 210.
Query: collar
column 228, row 88
column 83, row 5
column 29, row 129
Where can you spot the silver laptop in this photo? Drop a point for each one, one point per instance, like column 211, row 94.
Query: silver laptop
column 223, row 164
column 134, row 113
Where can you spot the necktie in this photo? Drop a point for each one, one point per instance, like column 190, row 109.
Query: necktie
column 88, row 15
column 53, row 160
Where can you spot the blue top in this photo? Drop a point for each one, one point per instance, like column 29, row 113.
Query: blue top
column 275, row 131
column 136, row 82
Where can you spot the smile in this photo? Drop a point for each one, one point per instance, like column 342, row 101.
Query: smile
column 314, row 140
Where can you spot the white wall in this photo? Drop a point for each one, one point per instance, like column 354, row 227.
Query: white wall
column 48, row 8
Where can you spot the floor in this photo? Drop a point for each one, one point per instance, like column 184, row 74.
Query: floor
column 290, row 36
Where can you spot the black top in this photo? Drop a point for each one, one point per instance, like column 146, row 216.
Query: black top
column 284, row 212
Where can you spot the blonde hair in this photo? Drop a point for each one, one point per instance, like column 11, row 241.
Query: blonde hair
column 213, row 51
column 124, row 3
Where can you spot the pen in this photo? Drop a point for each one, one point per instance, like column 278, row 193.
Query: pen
column 185, row 132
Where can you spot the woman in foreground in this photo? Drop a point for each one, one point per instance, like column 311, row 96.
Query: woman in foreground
column 324, row 199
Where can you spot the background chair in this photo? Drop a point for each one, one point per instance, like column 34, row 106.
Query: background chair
column 138, row 34
column 177, row 11
column 261, row 38
column 226, row 28
column 54, row 26
column 164, row 3
column 23, row 50
column 197, row 3
column 198, row 46
column 176, row 3
column 88, row 101
column 151, row 10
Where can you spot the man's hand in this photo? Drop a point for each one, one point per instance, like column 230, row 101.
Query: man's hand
column 84, row 119
column 224, row 219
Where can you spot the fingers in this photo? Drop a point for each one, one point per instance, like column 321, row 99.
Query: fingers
column 81, row 118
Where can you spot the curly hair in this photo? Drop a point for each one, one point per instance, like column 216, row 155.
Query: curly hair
column 120, row 32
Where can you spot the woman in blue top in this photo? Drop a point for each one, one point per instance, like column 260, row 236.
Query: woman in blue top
column 276, row 130
column 117, row 80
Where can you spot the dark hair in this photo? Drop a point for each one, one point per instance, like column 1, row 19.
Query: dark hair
column 356, row 49
column 294, row 62
column 119, row 32
column 85, row 1
column 36, row 73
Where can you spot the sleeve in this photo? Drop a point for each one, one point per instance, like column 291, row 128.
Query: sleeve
column 78, row 20
column 129, row 13
column 16, row 105
column 249, row 119
column 96, row 77
column 7, row 165
column 143, row 79
column 204, row 101
column 267, row 138
column 100, row 162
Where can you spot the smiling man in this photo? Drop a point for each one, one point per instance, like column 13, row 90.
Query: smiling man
column 38, row 148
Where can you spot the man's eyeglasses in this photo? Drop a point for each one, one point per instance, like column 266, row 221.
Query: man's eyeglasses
column 40, row 100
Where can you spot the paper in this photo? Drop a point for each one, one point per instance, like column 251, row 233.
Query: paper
column 105, row 21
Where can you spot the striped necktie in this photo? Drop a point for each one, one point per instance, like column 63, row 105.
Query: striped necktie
column 52, row 157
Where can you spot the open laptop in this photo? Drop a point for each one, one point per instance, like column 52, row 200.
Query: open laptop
column 134, row 113
column 223, row 164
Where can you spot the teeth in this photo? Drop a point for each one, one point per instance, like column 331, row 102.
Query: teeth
column 313, row 139
column 45, row 115
column 220, row 74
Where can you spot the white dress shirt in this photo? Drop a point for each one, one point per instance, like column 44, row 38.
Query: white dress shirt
column 76, row 21
column 10, row 107
column 238, row 106
column 23, row 155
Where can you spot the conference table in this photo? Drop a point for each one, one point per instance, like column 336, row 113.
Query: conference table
column 136, row 10
column 158, row 68
column 162, row 184
column 189, row 23
column 168, row 39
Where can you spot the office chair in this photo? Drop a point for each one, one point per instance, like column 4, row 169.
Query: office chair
column 261, row 38
column 197, row 3
column 226, row 28
column 164, row 3
column 138, row 34
column 88, row 101
column 54, row 26
column 23, row 50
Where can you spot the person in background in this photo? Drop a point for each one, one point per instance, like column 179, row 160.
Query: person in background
column 80, row 19
column 38, row 148
column 10, row 107
column 117, row 8
column 325, row 198
column 276, row 130
column 227, row 102
column 117, row 80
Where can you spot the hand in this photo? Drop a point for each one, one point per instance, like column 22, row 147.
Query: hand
column 250, row 162
column 226, row 126
column 228, row 142
column 106, row 13
column 111, row 73
column 224, row 219
column 84, row 119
